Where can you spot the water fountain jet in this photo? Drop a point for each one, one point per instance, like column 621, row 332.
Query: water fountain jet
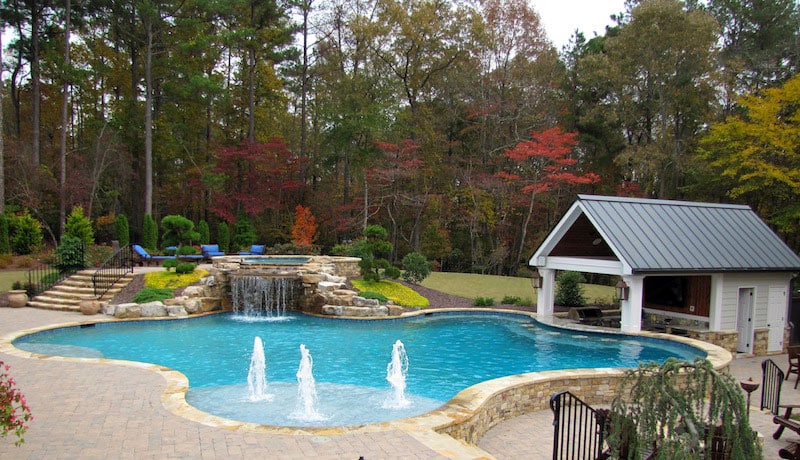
column 257, row 375
column 306, row 408
column 396, row 372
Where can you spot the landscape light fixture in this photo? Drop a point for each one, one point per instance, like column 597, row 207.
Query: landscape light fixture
column 622, row 290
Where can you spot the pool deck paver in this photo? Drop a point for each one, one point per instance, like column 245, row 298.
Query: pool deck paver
column 88, row 409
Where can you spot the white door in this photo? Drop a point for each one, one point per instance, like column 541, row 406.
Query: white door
column 776, row 317
column 744, row 321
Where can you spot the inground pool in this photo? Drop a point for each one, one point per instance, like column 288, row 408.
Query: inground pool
column 447, row 352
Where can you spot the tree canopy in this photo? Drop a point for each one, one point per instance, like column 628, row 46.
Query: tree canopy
column 419, row 116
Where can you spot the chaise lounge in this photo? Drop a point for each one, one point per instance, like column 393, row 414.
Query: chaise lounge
column 142, row 257
column 255, row 250
column 211, row 250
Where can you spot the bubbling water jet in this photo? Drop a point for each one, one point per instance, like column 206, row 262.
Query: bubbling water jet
column 306, row 408
column 396, row 372
column 257, row 375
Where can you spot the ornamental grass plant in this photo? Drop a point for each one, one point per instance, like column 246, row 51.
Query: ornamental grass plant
column 395, row 292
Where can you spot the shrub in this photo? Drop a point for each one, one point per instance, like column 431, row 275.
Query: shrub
column 204, row 231
column 122, row 231
column 373, row 295
column 5, row 246
column 96, row 254
column 416, row 267
column 79, row 226
column 27, row 233
column 484, row 302
column 511, row 300
column 14, row 410
column 149, row 233
column 373, row 251
column 305, row 227
column 151, row 294
column 244, row 235
column 178, row 230
column 71, row 256
column 170, row 263
column 569, row 292
column 223, row 237
column 185, row 268
column 187, row 251
column 6, row 260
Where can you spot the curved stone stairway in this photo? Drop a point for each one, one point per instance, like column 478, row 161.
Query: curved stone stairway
column 67, row 295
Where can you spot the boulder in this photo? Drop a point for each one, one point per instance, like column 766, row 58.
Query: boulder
column 197, row 291
column 332, row 310
column 176, row 311
column 208, row 304
column 153, row 309
column 128, row 310
column 362, row 302
column 90, row 306
column 395, row 310
column 109, row 309
column 192, row 306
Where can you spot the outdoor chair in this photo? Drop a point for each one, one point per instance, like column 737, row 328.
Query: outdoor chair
column 210, row 250
column 142, row 257
column 794, row 363
column 771, row 382
column 255, row 250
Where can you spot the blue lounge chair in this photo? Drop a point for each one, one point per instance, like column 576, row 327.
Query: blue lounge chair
column 255, row 250
column 144, row 257
column 210, row 250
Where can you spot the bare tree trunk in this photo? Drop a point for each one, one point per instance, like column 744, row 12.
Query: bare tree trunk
column 525, row 229
column 148, row 121
column 35, row 85
column 304, row 90
column 62, row 183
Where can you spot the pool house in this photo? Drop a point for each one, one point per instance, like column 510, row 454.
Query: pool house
column 715, row 272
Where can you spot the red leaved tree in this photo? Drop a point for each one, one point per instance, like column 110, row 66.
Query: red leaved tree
column 305, row 227
column 542, row 164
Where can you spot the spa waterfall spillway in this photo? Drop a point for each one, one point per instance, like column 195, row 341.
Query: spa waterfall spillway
column 258, row 297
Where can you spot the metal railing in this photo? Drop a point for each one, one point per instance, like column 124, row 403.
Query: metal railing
column 112, row 270
column 48, row 274
column 579, row 430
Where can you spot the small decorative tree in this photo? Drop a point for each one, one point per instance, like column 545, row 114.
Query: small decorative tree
column 122, row 231
column 305, row 227
column 71, row 254
column 244, row 234
column 204, row 231
column 178, row 230
column 416, row 268
column 14, row 410
column 569, row 292
column 149, row 233
column 26, row 233
column 373, row 251
column 79, row 226
column 677, row 409
column 223, row 237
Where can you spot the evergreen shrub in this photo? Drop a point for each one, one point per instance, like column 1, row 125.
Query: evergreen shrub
column 569, row 292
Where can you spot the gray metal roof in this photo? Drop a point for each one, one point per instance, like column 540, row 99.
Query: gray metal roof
column 663, row 235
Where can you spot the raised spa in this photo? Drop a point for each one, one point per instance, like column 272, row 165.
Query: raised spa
column 349, row 370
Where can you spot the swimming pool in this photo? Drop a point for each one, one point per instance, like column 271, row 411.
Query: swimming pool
column 447, row 353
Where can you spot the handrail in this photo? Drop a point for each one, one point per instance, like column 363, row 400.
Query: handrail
column 112, row 270
column 578, row 428
column 48, row 274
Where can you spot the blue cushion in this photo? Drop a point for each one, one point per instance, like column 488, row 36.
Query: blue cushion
column 257, row 249
column 141, row 251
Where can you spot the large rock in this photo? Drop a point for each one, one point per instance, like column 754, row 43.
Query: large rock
column 394, row 310
column 176, row 311
column 208, row 304
column 332, row 310
column 90, row 306
column 109, row 309
column 197, row 291
column 153, row 309
column 128, row 310
column 362, row 302
column 192, row 306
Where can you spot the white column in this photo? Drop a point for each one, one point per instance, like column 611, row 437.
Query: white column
column 546, row 294
column 632, row 308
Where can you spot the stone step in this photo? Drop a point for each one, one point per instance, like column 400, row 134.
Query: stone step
column 68, row 294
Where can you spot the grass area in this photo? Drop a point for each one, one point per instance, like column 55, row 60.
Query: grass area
column 8, row 278
column 395, row 292
column 470, row 286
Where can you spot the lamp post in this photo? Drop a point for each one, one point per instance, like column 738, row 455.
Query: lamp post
column 748, row 386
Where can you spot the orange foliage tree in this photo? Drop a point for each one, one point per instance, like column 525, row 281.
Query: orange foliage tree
column 305, row 227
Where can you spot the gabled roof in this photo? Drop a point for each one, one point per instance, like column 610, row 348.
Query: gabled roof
column 672, row 236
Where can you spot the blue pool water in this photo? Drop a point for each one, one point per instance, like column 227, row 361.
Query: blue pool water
column 267, row 260
column 447, row 353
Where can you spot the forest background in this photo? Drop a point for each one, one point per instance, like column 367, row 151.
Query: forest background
column 456, row 125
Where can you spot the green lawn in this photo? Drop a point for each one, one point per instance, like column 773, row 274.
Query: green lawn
column 7, row 279
column 470, row 285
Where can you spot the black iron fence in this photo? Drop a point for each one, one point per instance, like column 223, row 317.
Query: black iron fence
column 112, row 270
column 55, row 269
column 578, row 429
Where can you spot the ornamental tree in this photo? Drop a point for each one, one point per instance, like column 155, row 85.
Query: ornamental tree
column 305, row 227
column 542, row 164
